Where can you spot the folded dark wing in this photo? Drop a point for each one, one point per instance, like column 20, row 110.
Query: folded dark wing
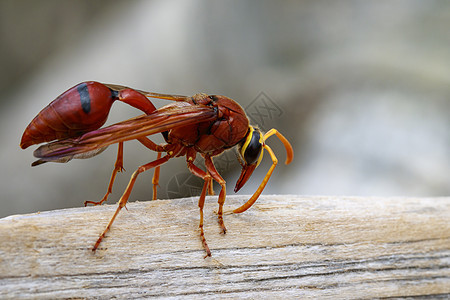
column 92, row 143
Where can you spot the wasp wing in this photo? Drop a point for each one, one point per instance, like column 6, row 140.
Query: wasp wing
column 117, row 87
column 92, row 143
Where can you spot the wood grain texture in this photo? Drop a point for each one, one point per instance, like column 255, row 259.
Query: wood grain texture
column 285, row 246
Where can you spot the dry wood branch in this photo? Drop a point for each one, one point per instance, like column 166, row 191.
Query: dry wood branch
column 286, row 246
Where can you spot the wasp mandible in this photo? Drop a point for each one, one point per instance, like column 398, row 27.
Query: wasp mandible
column 205, row 124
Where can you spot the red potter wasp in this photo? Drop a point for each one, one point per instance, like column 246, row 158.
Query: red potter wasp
column 205, row 124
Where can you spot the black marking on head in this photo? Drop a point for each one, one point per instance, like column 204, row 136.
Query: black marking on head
column 85, row 98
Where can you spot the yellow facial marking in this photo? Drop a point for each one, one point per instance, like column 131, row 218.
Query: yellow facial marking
column 247, row 140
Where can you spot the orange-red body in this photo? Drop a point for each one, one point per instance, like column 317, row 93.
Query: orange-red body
column 205, row 124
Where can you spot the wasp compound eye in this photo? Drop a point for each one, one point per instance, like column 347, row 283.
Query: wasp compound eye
column 251, row 149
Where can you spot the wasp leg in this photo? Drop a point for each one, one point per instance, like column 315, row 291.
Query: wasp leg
column 190, row 157
column 212, row 170
column 152, row 146
column 211, row 188
column 118, row 167
column 155, row 179
column 123, row 200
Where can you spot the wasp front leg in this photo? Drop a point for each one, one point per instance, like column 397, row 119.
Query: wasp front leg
column 124, row 199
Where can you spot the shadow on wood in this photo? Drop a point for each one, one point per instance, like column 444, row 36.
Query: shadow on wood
column 285, row 246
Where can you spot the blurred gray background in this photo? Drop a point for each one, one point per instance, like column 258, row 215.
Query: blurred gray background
column 360, row 88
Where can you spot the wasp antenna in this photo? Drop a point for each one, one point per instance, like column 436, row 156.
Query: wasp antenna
column 287, row 145
column 261, row 187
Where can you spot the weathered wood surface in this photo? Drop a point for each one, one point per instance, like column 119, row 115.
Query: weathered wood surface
column 285, row 246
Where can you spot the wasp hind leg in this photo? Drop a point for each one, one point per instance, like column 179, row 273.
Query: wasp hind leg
column 123, row 200
column 118, row 167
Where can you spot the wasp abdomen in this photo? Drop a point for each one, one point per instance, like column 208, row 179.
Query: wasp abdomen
column 82, row 108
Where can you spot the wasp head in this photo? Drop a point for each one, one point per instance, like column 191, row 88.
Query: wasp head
column 250, row 155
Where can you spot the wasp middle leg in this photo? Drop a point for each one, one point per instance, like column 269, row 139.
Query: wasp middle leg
column 190, row 157
column 158, row 148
